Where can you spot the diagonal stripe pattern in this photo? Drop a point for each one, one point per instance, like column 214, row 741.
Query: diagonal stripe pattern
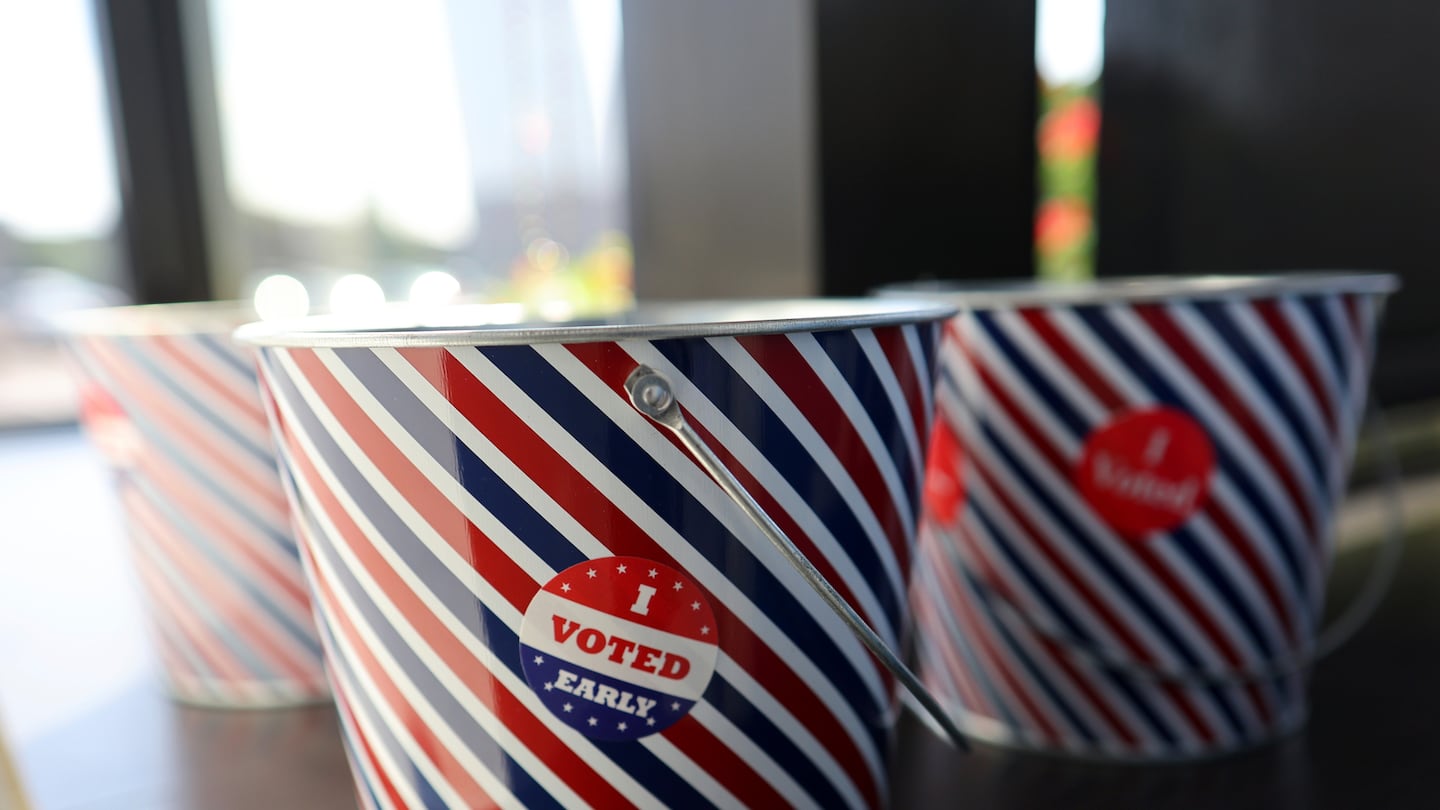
column 180, row 420
column 438, row 489
column 1029, row 594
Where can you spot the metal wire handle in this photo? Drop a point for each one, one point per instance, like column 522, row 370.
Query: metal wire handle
column 1341, row 630
column 651, row 394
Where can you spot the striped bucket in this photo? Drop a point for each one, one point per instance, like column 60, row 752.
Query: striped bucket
column 173, row 405
column 1130, row 506
column 532, row 595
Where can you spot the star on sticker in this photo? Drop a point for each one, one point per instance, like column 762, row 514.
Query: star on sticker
column 565, row 586
column 649, row 721
column 675, row 707
column 705, row 631
column 621, row 726
column 549, row 685
column 539, row 659
column 653, row 573
column 678, row 585
column 569, row 706
column 592, row 721
column 694, row 605
column 590, row 573
column 620, row 568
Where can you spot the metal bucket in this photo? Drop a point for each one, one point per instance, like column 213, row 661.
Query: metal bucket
column 173, row 406
column 1130, row 505
column 554, row 564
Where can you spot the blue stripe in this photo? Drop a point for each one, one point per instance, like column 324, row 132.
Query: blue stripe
column 138, row 354
column 1245, row 485
column 202, row 541
column 1219, row 320
column 381, row 736
column 454, row 594
column 454, row 714
column 844, row 351
column 962, row 642
column 357, row 765
column 1316, row 307
column 753, row 417
column 478, row 478
column 1061, row 612
column 593, row 429
column 1196, row 552
column 225, row 351
column 1117, row 578
column 156, row 435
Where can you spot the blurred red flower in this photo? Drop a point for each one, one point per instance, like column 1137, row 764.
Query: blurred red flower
column 1061, row 224
column 1071, row 130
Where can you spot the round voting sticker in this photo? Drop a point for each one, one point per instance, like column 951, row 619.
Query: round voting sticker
column 1147, row 471
column 619, row 647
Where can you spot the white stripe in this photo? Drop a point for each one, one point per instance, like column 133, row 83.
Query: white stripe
column 924, row 372
column 1312, row 344
column 433, row 471
column 705, row 412
column 895, row 393
column 398, row 775
column 487, row 596
column 1242, row 382
column 1028, row 609
column 1222, row 489
column 249, row 422
column 1222, row 428
column 824, row 458
column 944, row 629
column 493, row 782
column 399, row 730
column 364, row 776
column 754, row 756
column 844, row 396
column 642, row 515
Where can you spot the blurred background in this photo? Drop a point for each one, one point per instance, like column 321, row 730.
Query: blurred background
column 577, row 154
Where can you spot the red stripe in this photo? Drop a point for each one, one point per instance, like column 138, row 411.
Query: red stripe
column 1243, row 545
column 199, row 508
column 1284, row 334
column 488, row 689
column 434, row 749
column 172, row 607
column 704, row 748
column 1054, row 653
column 1198, row 364
column 950, row 666
column 507, row 577
column 361, row 746
column 788, row 369
column 236, row 611
column 585, row 503
column 1142, row 551
column 216, row 388
column 897, row 351
column 986, row 648
column 1039, row 541
column 198, row 439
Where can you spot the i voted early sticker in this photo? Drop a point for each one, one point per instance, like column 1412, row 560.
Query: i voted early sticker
column 620, row 647
column 1147, row 471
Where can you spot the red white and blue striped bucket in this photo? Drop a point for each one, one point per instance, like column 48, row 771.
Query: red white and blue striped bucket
column 173, row 405
column 1130, row 506
column 532, row 595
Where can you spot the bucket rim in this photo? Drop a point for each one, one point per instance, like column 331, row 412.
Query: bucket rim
column 469, row 325
column 144, row 320
column 1142, row 289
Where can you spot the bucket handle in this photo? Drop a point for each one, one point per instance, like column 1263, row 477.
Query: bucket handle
column 1339, row 632
column 652, row 395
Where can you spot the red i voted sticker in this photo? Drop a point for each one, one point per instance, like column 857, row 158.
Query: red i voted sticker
column 620, row 647
column 1147, row 470
column 944, row 471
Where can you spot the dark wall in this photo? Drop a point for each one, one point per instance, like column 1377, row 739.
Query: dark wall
column 926, row 119
column 1279, row 134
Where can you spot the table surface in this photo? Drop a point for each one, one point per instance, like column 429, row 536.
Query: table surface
column 90, row 728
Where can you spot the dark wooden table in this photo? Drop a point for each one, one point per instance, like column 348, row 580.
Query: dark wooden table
column 1373, row 739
